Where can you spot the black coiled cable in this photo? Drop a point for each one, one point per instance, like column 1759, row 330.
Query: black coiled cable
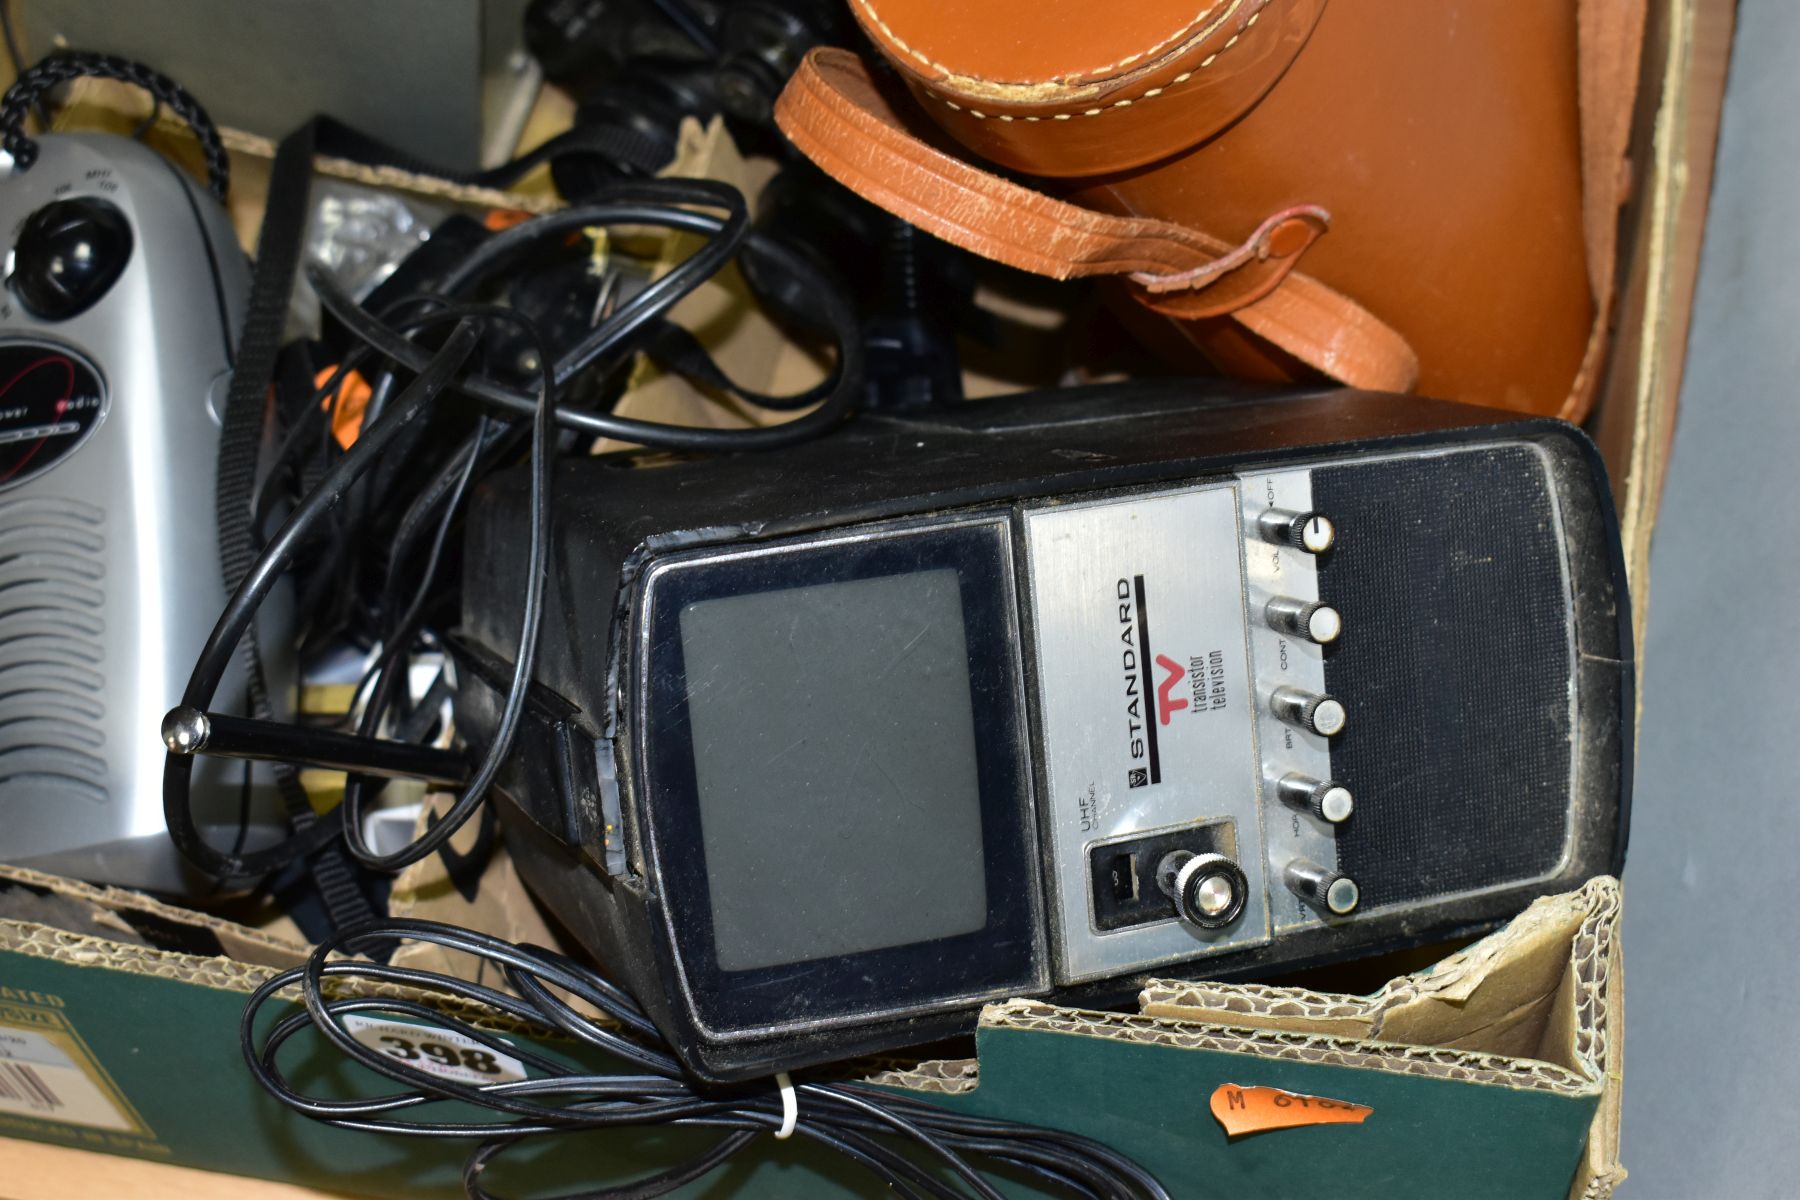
column 714, row 210
column 873, row 1127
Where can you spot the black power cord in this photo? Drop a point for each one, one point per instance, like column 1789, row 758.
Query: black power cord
column 255, row 587
column 417, row 359
column 873, row 1127
column 828, row 308
column 918, row 1150
column 390, row 667
column 713, row 210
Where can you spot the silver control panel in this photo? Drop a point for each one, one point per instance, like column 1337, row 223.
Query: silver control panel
column 1178, row 638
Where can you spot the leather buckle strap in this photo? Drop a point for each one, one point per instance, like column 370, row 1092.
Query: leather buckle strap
column 1235, row 277
column 834, row 113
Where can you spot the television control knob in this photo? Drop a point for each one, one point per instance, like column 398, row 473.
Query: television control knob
column 1312, row 532
column 68, row 254
column 1309, row 619
column 1323, row 715
column 1326, row 799
column 1322, row 887
column 1209, row 890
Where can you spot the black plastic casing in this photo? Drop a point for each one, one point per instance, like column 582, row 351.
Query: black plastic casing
column 572, row 785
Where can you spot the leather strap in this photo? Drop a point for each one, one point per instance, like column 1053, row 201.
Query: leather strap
column 835, row 114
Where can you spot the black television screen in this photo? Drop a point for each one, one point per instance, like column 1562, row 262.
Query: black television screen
column 837, row 813
column 834, row 745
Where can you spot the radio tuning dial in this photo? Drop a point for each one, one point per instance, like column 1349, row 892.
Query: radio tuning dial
column 1322, row 887
column 1323, row 715
column 1209, row 890
column 1326, row 799
column 67, row 255
column 1311, row 620
column 1311, row 532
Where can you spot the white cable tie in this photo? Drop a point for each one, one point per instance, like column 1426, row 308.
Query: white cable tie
column 790, row 1107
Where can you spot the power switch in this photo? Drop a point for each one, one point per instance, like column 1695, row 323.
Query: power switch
column 1311, row 532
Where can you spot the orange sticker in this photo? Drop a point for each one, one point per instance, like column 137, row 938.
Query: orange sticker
column 353, row 395
column 499, row 220
column 1243, row 1110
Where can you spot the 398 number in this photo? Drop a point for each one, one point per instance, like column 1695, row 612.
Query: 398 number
column 450, row 1056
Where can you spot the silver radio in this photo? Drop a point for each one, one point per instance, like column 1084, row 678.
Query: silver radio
column 124, row 291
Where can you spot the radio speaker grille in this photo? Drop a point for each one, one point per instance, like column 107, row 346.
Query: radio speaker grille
column 51, row 660
column 1455, row 667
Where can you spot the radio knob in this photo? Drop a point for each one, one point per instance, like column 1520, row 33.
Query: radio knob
column 1312, row 620
column 1312, row 532
column 1322, row 887
column 1326, row 799
column 68, row 254
column 1209, row 890
column 1323, row 715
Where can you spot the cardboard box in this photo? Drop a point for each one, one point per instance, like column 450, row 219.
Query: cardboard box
column 1687, row 48
column 1496, row 1073
column 1493, row 1074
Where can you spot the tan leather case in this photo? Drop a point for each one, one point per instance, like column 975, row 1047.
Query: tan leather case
column 1412, row 193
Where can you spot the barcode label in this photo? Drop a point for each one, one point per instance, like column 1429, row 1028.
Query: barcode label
column 38, row 1078
column 21, row 1083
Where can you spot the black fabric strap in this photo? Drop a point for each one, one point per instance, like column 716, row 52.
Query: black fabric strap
column 247, row 411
